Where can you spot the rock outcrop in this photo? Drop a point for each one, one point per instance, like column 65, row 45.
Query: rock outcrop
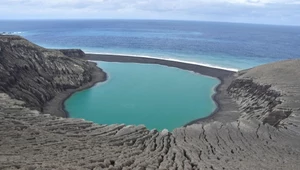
column 270, row 94
column 260, row 138
column 36, row 75
column 74, row 53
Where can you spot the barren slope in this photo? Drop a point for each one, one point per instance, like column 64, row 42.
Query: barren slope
column 265, row 136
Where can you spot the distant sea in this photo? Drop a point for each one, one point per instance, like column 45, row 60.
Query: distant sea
column 229, row 45
column 157, row 96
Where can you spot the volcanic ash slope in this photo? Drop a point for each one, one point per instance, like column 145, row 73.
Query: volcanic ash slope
column 265, row 136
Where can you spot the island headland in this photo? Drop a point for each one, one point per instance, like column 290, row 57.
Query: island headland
column 264, row 132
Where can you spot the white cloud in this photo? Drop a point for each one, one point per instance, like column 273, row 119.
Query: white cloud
column 91, row 3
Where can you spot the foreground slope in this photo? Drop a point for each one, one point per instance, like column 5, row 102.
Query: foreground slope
column 265, row 135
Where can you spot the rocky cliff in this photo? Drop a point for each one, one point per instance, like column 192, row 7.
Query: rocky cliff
column 270, row 94
column 36, row 75
column 264, row 136
column 75, row 53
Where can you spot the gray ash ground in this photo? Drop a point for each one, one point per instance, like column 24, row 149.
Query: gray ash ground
column 261, row 133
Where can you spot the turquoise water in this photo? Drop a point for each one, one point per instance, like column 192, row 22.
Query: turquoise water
column 157, row 96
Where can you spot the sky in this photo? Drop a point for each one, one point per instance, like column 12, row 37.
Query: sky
column 279, row 12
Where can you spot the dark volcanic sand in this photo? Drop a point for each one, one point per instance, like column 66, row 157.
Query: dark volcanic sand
column 56, row 105
column 226, row 108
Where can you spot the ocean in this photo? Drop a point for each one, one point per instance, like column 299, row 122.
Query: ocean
column 229, row 45
column 157, row 96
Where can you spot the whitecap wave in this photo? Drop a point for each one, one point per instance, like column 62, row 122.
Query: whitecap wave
column 169, row 59
column 17, row 32
column 12, row 33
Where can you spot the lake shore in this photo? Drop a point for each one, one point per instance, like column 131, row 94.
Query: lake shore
column 226, row 109
column 56, row 106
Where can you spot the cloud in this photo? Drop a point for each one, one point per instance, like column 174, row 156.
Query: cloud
column 258, row 11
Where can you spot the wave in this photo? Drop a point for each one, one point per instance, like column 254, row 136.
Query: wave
column 168, row 59
column 12, row 33
column 17, row 32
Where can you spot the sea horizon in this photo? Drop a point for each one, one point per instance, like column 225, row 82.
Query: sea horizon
column 126, row 19
column 235, row 46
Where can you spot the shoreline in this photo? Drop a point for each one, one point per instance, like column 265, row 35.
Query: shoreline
column 217, row 103
column 165, row 59
column 56, row 106
column 220, row 97
column 217, row 92
column 198, row 68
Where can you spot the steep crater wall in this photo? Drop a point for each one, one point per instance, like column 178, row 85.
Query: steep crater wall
column 35, row 75
column 258, row 101
column 270, row 93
